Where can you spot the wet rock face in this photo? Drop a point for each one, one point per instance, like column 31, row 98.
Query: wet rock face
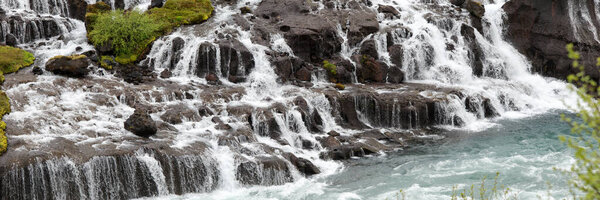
column 71, row 66
column 541, row 29
column 141, row 124
column 26, row 28
column 264, row 171
column 236, row 61
column 118, row 176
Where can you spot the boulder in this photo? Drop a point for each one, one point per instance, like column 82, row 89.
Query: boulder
column 141, row 124
column 166, row 74
column 156, row 4
column 176, row 113
column 388, row 10
column 71, row 66
column 37, row 70
column 475, row 7
column 303, row 165
column 369, row 48
column 77, row 9
column 395, row 75
column 457, row 2
column 370, row 70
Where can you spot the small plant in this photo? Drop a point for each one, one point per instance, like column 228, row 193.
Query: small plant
column 331, row 68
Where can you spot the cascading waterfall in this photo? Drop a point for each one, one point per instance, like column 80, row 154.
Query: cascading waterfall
column 250, row 128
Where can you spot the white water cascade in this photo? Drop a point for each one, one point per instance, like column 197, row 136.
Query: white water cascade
column 252, row 131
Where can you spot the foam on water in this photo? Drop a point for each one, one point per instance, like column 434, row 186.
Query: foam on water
column 68, row 108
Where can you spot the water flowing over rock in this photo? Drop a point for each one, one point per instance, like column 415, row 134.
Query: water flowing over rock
column 246, row 99
column 541, row 30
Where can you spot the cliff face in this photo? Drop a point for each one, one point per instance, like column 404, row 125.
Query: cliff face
column 540, row 29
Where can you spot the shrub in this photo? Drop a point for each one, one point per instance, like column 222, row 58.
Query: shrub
column 127, row 33
column 586, row 131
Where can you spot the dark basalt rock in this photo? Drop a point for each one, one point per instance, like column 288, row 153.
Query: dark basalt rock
column 71, row 66
column 475, row 7
column 166, row 73
column 141, row 124
column 176, row 113
column 156, row 4
column 395, row 75
column 37, row 70
column 369, row 48
column 303, row 165
column 77, row 9
column 11, row 40
column 370, row 70
column 388, row 10
column 476, row 55
column 135, row 74
column 541, row 29
column 265, row 171
column 235, row 59
column 177, row 44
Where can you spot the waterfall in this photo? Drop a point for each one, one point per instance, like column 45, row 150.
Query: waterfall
column 254, row 127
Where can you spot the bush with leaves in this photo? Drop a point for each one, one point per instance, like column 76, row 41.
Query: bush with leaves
column 585, row 131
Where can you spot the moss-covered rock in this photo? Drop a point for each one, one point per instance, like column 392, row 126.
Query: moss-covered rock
column 72, row 66
column 13, row 59
column 127, row 34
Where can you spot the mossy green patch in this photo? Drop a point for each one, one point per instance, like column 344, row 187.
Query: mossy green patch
column 73, row 57
column 13, row 59
column 129, row 33
column 106, row 62
column 4, row 109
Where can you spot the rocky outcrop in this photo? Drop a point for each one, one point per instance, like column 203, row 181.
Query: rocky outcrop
column 26, row 27
column 236, row 61
column 71, row 66
column 541, row 30
column 141, row 124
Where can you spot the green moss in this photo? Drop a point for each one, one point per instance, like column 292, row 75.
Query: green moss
column 73, row 57
column 13, row 59
column 340, row 86
column 106, row 62
column 130, row 33
column 331, row 68
column 4, row 109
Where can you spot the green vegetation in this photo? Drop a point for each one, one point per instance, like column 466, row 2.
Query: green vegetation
column 331, row 73
column 106, row 62
column 128, row 33
column 13, row 59
column 4, row 109
column 585, row 132
column 331, row 68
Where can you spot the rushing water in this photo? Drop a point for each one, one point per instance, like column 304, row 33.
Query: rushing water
column 525, row 151
column 522, row 145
